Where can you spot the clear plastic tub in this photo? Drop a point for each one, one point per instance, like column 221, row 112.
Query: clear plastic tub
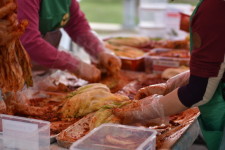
column 117, row 137
column 154, row 3
column 152, row 17
column 24, row 133
column 160, row 60
column 153, row 32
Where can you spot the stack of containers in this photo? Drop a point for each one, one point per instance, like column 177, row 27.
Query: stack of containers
column 152, row 17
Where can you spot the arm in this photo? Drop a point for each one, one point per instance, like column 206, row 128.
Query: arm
column 39, row 50
column 45, row 54
column 80, row 31
column 207, row 67
column 164, row 88
column 197, row 92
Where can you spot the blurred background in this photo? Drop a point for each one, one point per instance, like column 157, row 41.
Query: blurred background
column 113, row 18
column 152, row 18
column 112, row 11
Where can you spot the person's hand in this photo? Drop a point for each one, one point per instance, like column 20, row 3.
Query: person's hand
column 140, row 111
column 110, row 62
column 164, row 88
column 87, row 72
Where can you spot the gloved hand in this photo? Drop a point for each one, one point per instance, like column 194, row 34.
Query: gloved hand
column 164, row 88
column 141, row 111
column 110, row 62
column 87, row 72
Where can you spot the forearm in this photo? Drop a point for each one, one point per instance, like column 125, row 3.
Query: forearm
column 171, row 103
column 48, row 56
column 177, row 81
column 91, row 43
column 80, row 31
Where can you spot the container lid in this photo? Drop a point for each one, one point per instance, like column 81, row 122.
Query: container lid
column 116, row 137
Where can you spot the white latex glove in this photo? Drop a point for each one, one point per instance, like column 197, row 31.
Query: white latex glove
column 141, row 111
column 164, row 88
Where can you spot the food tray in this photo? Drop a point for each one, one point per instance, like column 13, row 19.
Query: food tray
column 188, row 137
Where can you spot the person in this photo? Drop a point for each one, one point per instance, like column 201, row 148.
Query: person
column 42, row 35
column 203, row 86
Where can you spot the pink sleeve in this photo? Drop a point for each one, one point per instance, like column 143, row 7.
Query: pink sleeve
column 80, row 31
column 39, row 50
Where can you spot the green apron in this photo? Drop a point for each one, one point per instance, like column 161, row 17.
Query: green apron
column 212, row 116
column 53, row 15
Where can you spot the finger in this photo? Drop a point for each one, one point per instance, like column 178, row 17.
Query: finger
column 127, row 110
column 140, row 94
column 128, row 113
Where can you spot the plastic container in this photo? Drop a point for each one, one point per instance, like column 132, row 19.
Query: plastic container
column 152, row 14
column 133, row 64
column 154, row 32
column 154, row 3
column 152, row 21
column 173, row 21
column 117, row 137
column 160, row 61
column 24, row 133
column 152, row 17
